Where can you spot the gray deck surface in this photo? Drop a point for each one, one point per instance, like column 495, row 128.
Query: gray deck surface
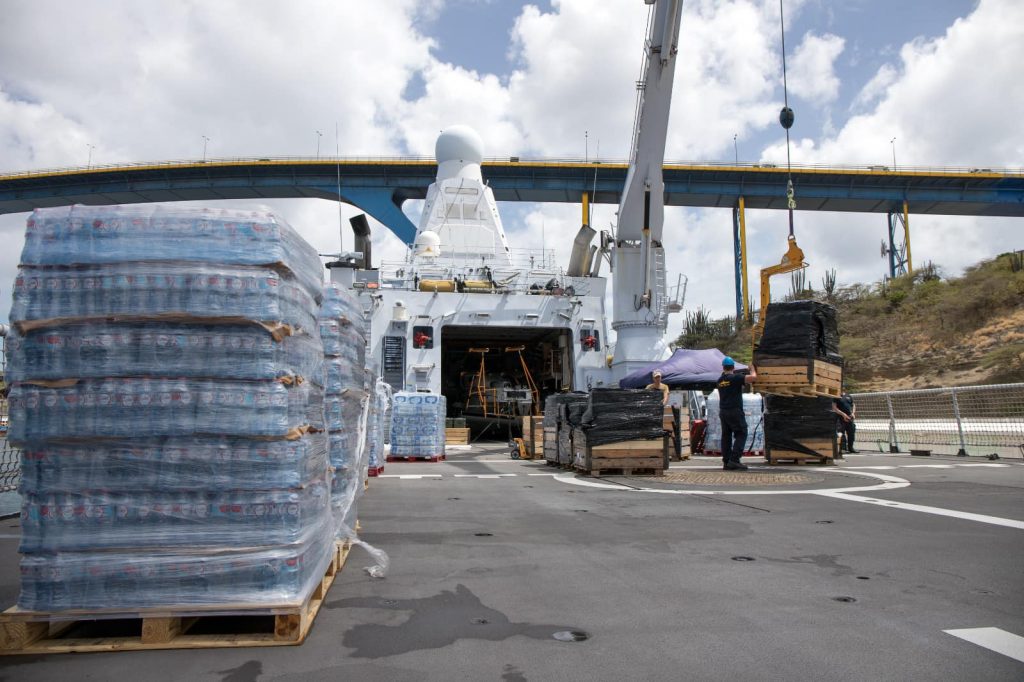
column 649, row 576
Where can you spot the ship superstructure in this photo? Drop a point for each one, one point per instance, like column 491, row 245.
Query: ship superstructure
column 493, row 328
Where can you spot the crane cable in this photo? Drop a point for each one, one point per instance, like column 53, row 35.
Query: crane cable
column 786, row 119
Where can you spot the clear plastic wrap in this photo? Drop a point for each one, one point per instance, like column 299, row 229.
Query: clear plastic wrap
column 381, row 400
column 99, row 519
column 130, row 580
column 340, row 303
column 144, row 407
column 341, row 410
column 170, row 411
column 93, row 235
column 417, row 424
column 45, row 297
column 342, row 375
column 341, row 338
column 753, row 412
column 167, row 464
column 102, row 349
column 344, row 449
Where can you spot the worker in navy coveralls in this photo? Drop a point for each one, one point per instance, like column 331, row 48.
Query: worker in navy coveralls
column 846, row 414
column 734, row 422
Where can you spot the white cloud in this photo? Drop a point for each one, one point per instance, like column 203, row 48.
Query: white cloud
column 811, row 71
column 876, row 88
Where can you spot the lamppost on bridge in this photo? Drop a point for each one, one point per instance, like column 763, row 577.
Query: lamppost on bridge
column 736, row 148
column 205, row 140
column 893, row 143
column 91, row 147
column 319, row 134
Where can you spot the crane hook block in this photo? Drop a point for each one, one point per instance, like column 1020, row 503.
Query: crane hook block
column 786, row 118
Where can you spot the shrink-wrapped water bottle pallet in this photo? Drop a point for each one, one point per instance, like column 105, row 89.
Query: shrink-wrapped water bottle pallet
column 190, row 627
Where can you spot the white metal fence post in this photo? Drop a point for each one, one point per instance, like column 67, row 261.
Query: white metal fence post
column 962, row 452
column 894, row 445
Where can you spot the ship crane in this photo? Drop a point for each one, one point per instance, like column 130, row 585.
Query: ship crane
column 638, row 262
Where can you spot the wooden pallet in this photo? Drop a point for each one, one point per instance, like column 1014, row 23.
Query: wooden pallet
column 626, row 455
column 456, row 436
column 410, row 458
column 822, row 450
column 799, row 390
column 626, row 471
column 775, row 456
column 33, row 632
column 797, row 377
column 533, row 436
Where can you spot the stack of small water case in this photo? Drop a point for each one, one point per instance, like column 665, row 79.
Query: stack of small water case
column 343, row 331
column 380, row 402
column 166, row 389
column 417, row 426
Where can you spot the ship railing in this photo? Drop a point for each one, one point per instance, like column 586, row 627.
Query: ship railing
column 969, row 420
column 531, row 272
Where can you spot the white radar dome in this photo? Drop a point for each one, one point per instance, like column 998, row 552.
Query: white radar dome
column 428, row 243
column 459, row 143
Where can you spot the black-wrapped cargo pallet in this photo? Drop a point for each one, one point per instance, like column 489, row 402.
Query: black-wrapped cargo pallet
column 554, row 421
column 799, row 430
column 798, row 354
column 621, row 430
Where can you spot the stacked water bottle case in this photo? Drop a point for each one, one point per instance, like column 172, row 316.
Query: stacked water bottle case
column 417, row 426
column 167, row 390
column 343, row 331
column 380, row 404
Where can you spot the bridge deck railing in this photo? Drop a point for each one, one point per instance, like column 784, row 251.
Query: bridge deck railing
column 417, row 160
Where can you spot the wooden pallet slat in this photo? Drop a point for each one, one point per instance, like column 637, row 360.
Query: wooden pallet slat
column 456, row 436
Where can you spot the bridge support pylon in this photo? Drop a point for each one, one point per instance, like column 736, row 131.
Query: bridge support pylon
column 739, row 239
column 900, row 262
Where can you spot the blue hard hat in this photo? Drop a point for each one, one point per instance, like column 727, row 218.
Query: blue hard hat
column 728, row 362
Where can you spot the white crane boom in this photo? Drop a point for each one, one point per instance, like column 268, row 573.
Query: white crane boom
column 638, row 264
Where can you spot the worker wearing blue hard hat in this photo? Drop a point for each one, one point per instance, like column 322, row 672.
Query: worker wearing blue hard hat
column 734, row 421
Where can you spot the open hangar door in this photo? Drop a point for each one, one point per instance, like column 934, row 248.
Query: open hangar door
column 492, row 376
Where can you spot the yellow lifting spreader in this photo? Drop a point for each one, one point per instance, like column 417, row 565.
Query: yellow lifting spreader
column 793, row 260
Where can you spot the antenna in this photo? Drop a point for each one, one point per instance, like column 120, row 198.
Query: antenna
column 543, row 245
column 341, row 219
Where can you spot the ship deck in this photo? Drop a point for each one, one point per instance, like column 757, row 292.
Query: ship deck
column 700, row 575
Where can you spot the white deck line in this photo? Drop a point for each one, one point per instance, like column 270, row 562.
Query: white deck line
column 994, row 639
column 939, row 511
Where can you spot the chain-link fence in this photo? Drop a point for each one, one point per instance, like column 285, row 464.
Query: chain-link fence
column 974, row 420
column 10, row 458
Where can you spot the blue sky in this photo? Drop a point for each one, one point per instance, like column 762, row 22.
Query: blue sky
column 131, row 81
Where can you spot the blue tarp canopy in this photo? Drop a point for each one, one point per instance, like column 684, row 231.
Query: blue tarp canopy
column 686, row 369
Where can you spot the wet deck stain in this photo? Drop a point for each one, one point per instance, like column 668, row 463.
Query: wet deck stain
column 434, row 622
column 829, row 561
column 510, row 673
column 247, row 672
